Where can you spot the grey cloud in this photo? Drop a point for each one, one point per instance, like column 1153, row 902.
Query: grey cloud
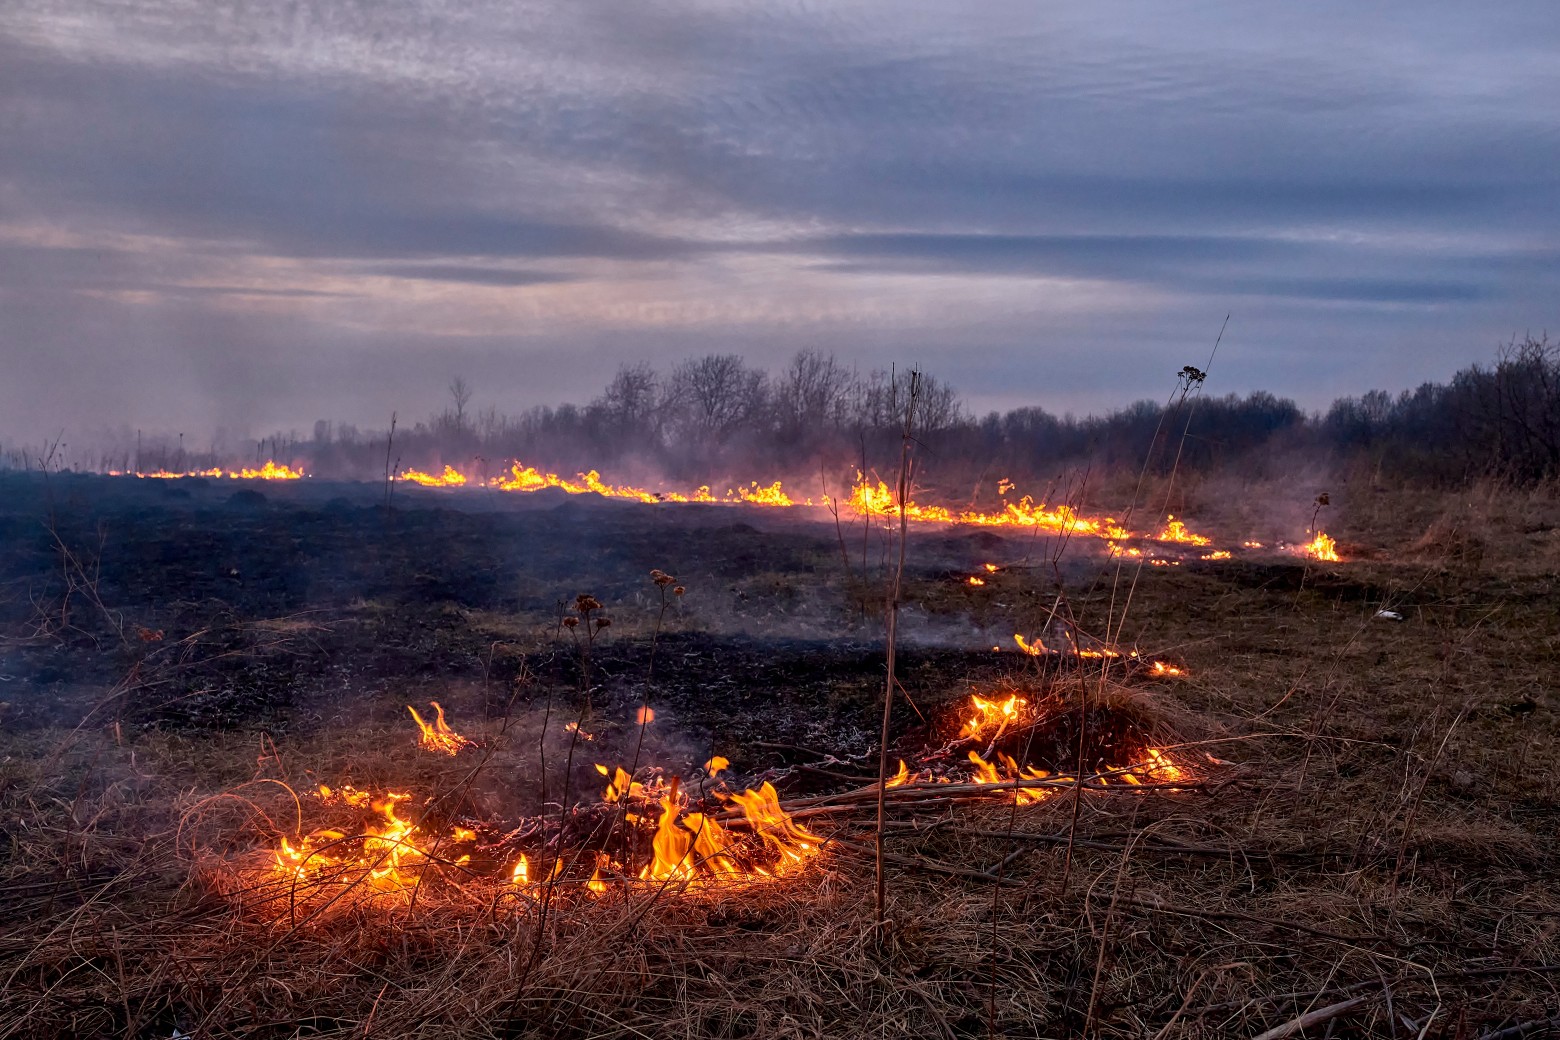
column 468, row 273
column 1218, row 154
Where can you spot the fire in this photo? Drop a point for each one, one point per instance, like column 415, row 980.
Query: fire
column 989, row 714
column 987, row 773
column 880, row 501
column 438, row 738
column 790, row 841
column 689, row 845
column 270, row 471
column 1175, row 531
column 451, row 477
column 1160, row 668
column 993, row 568
column 1220, row 554
column 1039, row 649
column 386, row 856
column 976, row 581
column 900, row 778
column 1322, row 548
column 1159, row 767
column 644, row 716
column 521, row 875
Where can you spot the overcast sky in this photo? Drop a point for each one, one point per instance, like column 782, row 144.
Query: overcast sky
column 252, row 215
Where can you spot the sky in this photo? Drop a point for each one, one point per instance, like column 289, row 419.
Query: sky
column 247, row 216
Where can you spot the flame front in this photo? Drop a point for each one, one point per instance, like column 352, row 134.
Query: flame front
column 270, row 471
column 991, row 717
column 451, row 477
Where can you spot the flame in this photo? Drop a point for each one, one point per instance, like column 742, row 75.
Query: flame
column 451, row 477
column 1159, row 766
column 1321, row 548
column 438, row 738
column 1039, row 649
column 791, row 842
column 987, row 773
column 386, row 856
column 1218, row 554
column 595, row 885
column 991, row 713
column 521, row 875
column 645, row 715
column 976, row 581
column 880, row 501
column 270, row 471
column 716, row 766
column 1175, row 531
column 619, row 784
column 900, row 778
column 1160, row 668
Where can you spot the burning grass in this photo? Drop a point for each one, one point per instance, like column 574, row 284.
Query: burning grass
column 1384, row 844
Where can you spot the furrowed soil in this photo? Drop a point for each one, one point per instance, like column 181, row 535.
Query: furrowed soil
column 1365, row 843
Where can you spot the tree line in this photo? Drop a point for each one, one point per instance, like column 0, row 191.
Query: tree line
column 718, row 418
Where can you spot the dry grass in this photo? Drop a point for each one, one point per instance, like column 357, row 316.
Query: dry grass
column 1388, row 834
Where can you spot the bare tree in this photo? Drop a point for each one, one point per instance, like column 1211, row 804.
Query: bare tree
column 460, row 393
column 813, row 395
column 712, row 397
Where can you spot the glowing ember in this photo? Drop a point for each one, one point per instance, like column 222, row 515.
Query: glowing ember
column 1321, row 548
column 1160, row 668
column 644, row 716
column 1159, row 767
column 993, row 568
column 1221, row 554
column 438, row 738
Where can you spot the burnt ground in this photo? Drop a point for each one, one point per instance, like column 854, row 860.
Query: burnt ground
column 1388, row 825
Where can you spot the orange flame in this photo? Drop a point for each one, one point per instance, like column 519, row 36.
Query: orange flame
column 976, row 581
column 1175, row 531
column 645, row 715
column 438, row 738
column 987, row 773
column 791, row 842
column 451, row 477
column 1322, row 548
column 992, row 713
column 270, row 471
column 385, row 857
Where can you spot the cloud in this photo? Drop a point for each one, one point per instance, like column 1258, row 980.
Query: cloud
column 338, row 180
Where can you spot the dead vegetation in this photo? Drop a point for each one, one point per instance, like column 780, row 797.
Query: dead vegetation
column 1378, row 858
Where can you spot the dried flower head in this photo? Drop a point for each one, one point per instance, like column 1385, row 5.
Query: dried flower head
column 678, row 591
column 570, row 621
column 603, row 622
column 661, row 578
column 585, row 603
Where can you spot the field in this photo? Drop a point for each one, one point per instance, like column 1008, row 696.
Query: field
column 1354, row 832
